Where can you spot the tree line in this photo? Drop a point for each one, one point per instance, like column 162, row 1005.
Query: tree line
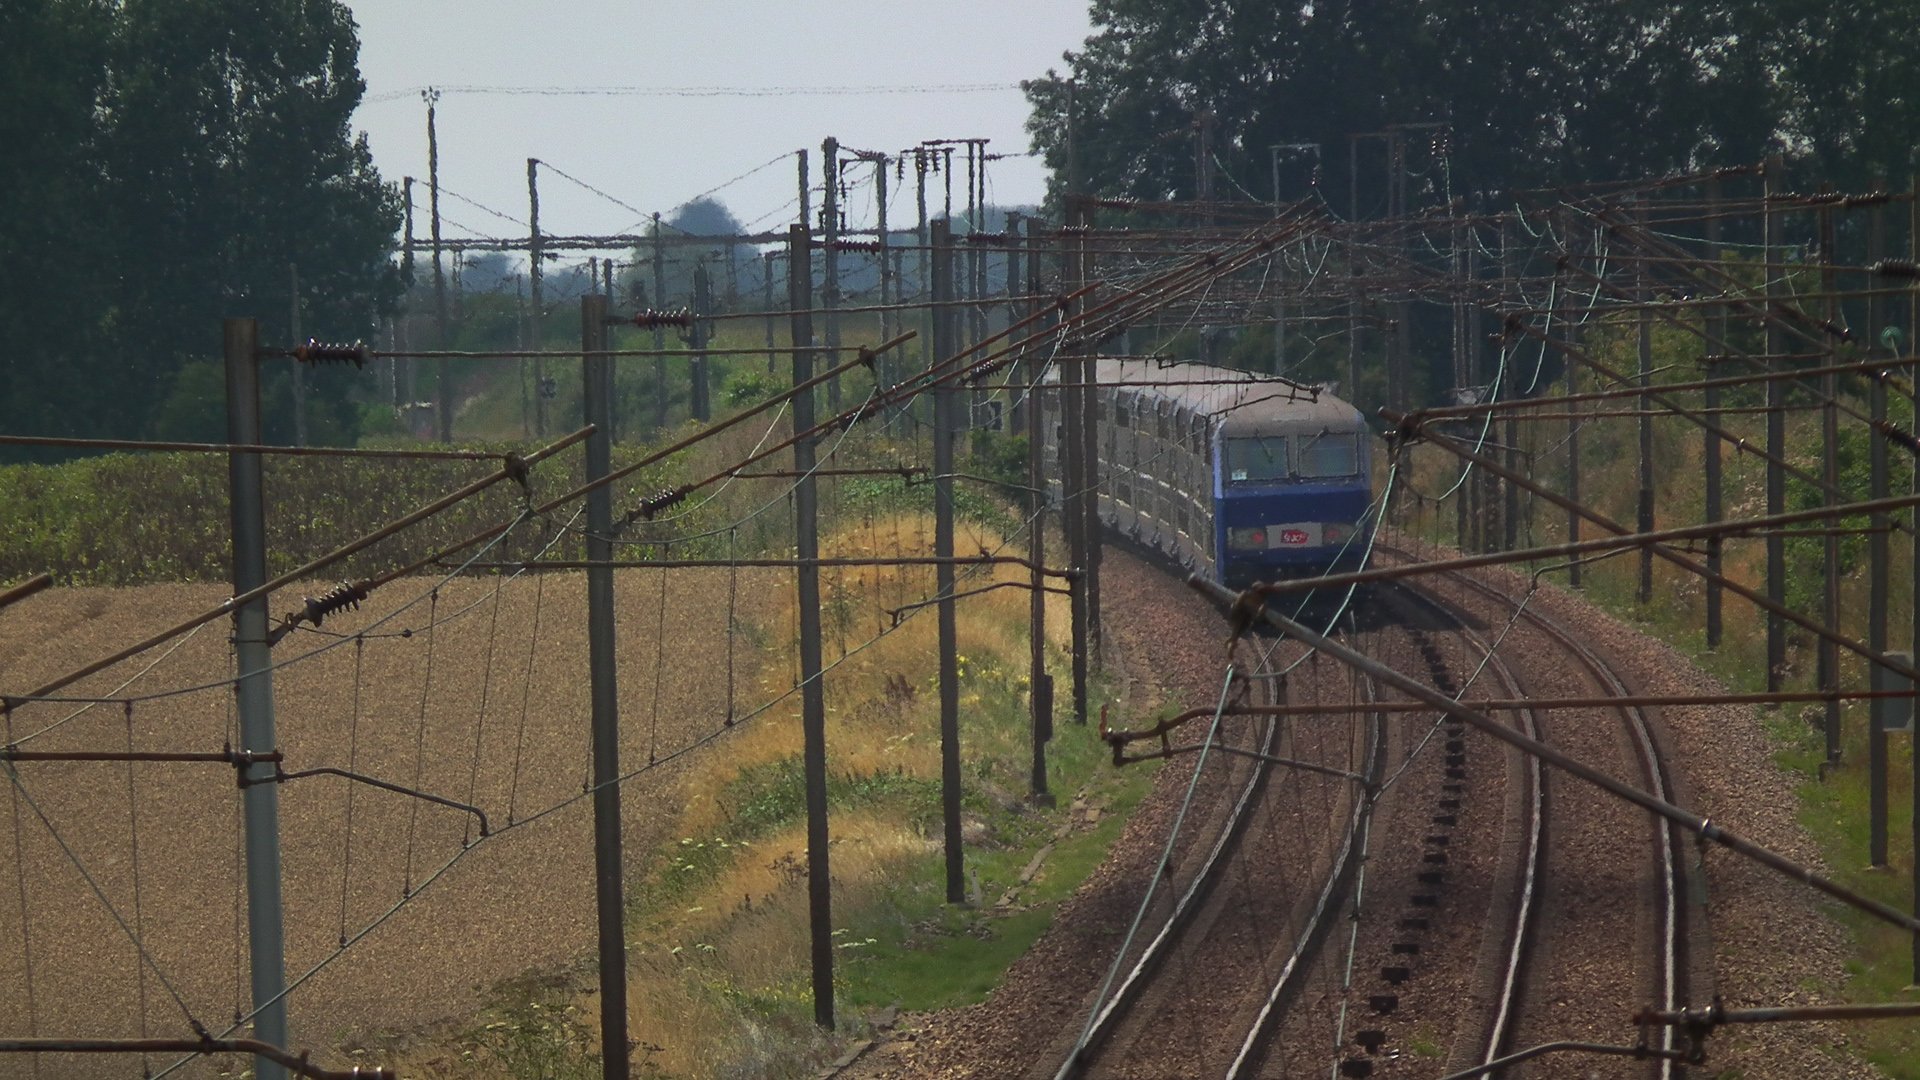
column 163, row 164
column 1530, row 92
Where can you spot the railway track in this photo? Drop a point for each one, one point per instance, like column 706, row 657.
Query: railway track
column 1196, row 941
column 1665, row 977
column 1494, row 816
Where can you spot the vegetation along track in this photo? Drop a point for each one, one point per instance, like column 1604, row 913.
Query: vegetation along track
column 1565, row 975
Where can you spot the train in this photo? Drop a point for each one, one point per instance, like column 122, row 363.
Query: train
column 1235, row 476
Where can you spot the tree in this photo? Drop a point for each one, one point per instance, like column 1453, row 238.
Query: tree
column 52, row 68
column 704, row 216
column 217, row 132
column 1533, row 92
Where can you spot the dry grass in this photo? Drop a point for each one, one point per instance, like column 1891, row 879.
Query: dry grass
column 521, row 901
column 713, row 974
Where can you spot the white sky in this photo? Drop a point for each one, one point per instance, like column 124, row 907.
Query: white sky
column 654, row 152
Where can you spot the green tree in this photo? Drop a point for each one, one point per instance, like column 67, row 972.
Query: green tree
column 1533, row 91
column 52, row 68
column 216, row 150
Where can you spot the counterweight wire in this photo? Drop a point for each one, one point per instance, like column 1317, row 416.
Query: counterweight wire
column 420, row 747
column 20, row 883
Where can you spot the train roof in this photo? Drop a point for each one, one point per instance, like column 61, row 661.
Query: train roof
column 1242, row 402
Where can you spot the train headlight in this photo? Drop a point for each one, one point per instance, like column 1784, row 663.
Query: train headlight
column 1335, row 532
column 1253, row 538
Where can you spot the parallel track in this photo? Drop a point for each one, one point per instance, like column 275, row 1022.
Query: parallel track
column 1669, row 958
column 1114, row 1010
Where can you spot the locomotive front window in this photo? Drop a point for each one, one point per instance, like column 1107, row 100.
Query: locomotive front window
column 1257, row 460
column 1330, row 454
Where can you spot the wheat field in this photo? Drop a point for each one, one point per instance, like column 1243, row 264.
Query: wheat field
column 482, row 699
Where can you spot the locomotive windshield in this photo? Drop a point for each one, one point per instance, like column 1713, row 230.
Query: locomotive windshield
column 1330, row 453
column 1253, row 460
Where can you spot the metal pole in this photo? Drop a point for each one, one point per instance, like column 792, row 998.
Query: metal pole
column 1877, row 541
column 813, row 700
column 1074, row 470
column 888, row 363
column 659, row 335
column 260, row 800
column 1400, row 367
column 1462, row 378
column 806, row 206
column 920, row 158
column 1913, row 346
column 1644, row 351
column 596, row 388
column 442, row 394
column 1776, row 440
column 830, row 255
column 1090, row 406
column 299, row 370
column 1510, row 511
column 701, row 391
column 535, row 272
column 1573, row 453
column 945, row 344
column 766, row 269
column 1829, row 653
column 1279, row 278
column 1716, row 331
column 1039, row 682
column 1018, row 403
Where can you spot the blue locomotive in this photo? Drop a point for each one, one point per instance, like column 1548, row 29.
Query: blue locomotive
column 1236, row 476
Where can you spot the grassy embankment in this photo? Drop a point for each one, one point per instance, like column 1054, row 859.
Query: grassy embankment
column 1833, row 807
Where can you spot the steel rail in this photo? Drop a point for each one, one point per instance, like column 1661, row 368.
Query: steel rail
column 1639, row 727
column 1251, row 608
column 1339, row 877
column 1500, row 1025
column 1108, row 1013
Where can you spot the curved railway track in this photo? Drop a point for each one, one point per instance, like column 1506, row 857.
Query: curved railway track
column 1499, row 1017
column 1669, row 978
column 1121, row 1036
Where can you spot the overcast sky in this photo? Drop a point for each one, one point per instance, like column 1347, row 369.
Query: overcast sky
column 923, row 71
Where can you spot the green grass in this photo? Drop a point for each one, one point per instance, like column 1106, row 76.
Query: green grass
column 927, row 954
column 1836, row 812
